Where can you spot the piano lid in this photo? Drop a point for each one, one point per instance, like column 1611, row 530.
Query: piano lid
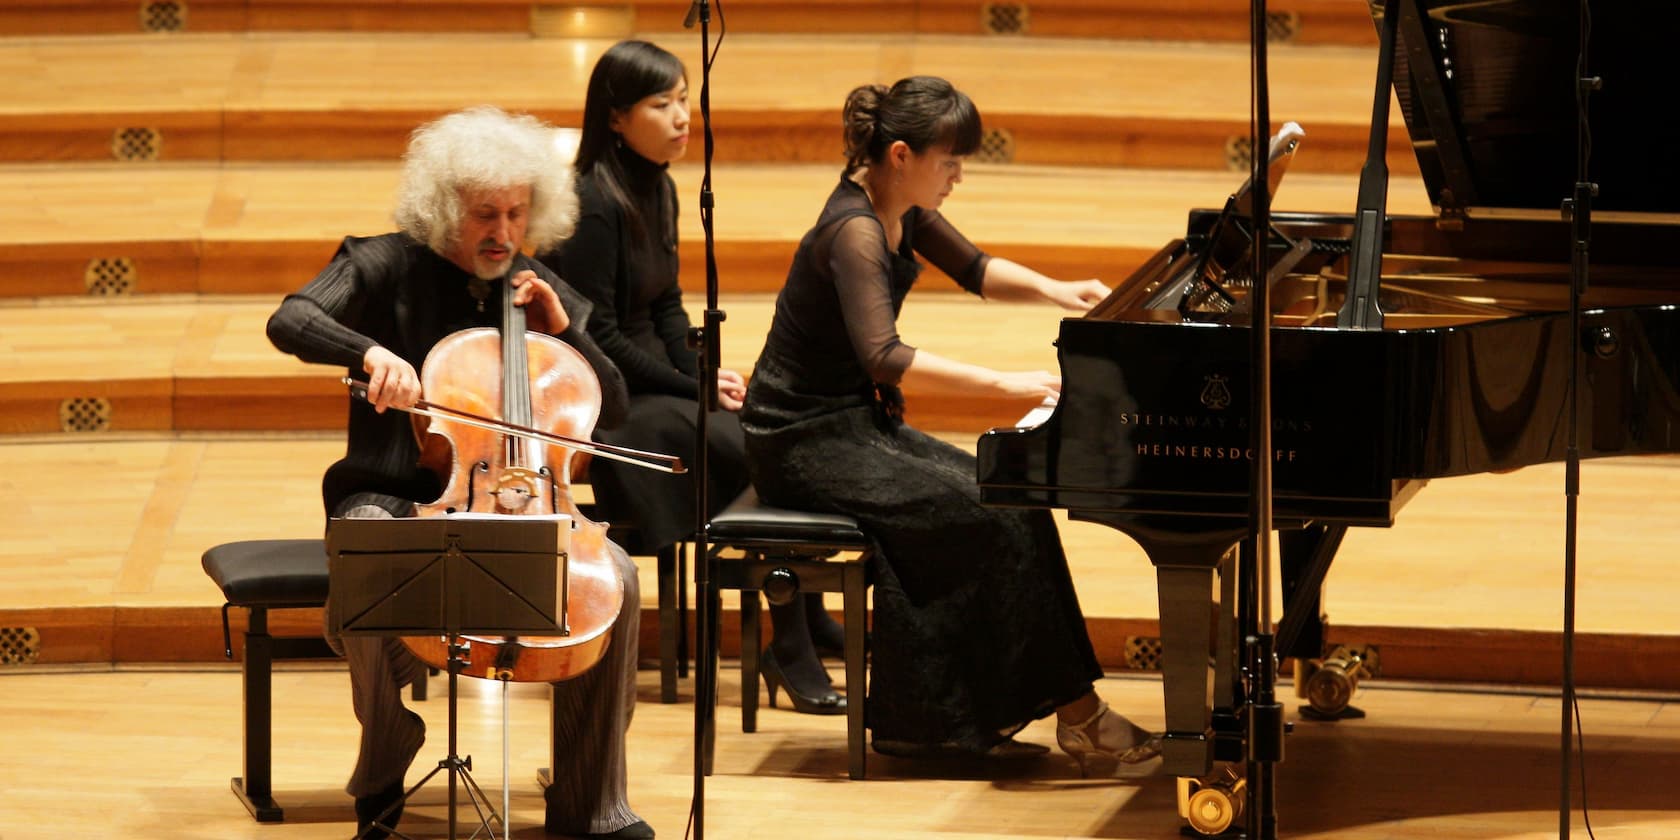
column 1487, row 91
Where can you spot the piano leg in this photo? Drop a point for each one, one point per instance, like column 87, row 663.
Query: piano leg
column 1326, row 680
column 1197, row 608
column 1304, row 559
column 1195, row 671
column 1230, row 694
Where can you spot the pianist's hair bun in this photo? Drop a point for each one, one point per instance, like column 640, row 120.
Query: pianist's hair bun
column 922, row 111
column 860, row 118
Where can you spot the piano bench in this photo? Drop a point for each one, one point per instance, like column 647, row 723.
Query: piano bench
column 784, row 553
column 263, row 575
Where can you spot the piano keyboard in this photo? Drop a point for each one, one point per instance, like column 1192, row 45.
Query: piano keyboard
column 1038, row 415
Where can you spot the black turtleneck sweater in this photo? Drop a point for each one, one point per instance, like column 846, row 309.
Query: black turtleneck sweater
column 399, row 294
column 628, row 268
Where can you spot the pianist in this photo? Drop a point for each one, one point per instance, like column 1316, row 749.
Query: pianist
column 978, row 630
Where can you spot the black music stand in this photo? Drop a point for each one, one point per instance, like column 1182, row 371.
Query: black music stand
column 448, row 576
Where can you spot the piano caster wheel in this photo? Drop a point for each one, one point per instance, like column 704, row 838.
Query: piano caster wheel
column 1329, row 688
column 1212, row 805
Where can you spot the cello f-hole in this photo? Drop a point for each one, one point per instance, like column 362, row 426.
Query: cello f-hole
column 553, row 488
column 472, row 482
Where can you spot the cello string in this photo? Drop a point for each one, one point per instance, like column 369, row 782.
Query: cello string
column 516, row 382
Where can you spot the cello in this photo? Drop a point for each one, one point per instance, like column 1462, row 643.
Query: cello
column 505, row 408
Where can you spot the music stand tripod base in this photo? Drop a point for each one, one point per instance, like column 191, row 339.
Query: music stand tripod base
column 450, row 577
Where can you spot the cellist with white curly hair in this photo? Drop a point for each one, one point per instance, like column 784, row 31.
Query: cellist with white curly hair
column 480, row 188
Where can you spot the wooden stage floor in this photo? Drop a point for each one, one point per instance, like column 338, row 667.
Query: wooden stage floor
column 1468, row 584
column 145, row 753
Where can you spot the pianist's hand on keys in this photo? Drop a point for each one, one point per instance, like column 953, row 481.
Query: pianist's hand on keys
column 1038, row 415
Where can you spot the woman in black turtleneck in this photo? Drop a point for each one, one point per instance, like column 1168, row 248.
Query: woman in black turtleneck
column 623, row 256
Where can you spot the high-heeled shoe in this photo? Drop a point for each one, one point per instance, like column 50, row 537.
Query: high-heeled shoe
column 1107, row 743
column 830, row 702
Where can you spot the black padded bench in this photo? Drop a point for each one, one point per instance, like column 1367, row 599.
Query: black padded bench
column 784, row 552
column 263, row 575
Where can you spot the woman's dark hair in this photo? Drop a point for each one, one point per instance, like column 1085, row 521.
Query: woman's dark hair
column 922, row 111
column 627, row 73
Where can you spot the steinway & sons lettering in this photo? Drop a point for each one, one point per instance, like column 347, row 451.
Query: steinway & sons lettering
column 1160, row 424
column 1209, row 421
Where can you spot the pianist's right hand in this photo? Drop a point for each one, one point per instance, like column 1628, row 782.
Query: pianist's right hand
column 1077, row 295
column 1030, row 384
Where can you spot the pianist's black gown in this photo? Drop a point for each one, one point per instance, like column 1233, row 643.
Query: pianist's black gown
column 977, row 628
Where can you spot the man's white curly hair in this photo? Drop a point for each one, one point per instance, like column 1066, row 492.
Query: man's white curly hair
column 484, row 148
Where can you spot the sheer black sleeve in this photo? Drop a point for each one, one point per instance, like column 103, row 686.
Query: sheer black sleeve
column 858, row 261
column 949, row 250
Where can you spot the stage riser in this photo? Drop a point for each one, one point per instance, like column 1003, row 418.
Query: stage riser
column 1301, row 21
column 280, row 267
column 1605, row 661
column 313, row 403
column 739, row 137
column 116, row 405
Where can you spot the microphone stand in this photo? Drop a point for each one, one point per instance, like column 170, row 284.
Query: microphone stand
column 1577, row 210
column 705, row 341
column 1265, row 725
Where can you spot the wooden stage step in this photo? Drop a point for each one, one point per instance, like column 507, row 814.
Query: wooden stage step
column 204, row 364
column 290, row 97
column 1297, row 21
column 1467, row 587
column 112, row 230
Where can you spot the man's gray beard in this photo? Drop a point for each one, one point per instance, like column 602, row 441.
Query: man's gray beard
column 491, row 271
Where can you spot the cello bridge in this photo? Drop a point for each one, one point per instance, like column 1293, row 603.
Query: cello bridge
column 515, row 489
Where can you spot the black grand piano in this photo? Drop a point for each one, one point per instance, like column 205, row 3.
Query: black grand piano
column 1464, row 370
